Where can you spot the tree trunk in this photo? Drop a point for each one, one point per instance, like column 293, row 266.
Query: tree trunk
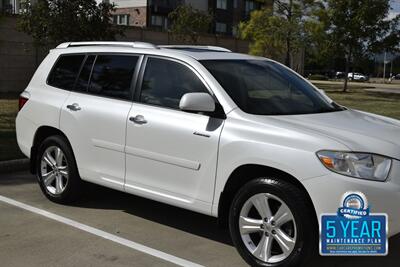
column 288, row 48
column 288, row 60
column 346, row 74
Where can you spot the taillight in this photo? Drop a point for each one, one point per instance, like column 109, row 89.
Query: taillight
column 22, row 101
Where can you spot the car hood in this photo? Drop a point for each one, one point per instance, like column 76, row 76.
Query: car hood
column 359, row 131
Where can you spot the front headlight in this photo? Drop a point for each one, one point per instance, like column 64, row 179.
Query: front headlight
column 358, row 165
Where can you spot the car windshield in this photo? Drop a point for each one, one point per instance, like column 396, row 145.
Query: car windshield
column 264, row 87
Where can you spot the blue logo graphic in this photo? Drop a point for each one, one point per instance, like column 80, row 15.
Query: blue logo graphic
column 354, row 230
column 354, row 206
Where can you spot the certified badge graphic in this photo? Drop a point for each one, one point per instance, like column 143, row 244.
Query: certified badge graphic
column 355, row 206
column 353, row 230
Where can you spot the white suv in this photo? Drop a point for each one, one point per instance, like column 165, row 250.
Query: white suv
column 234, row 136
column 357, row 77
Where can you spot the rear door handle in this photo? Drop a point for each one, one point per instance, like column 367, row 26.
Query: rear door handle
column 74, row 107
column 138, row 119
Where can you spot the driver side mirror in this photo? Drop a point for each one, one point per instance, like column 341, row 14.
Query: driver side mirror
column 197, row 102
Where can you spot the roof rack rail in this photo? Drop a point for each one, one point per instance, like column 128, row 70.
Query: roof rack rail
column 117, row 44
column 201, row 47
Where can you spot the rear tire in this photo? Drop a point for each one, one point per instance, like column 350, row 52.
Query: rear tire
column 272, row 224
column 57, row 172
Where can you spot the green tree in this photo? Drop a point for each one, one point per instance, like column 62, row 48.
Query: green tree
column 265, row 32
column 188, row 23
column 318, row 52
column 279, row 31
column 359, row 28
column 57, row 21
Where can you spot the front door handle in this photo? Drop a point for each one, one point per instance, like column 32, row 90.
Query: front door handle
column 138, row 119
column 74, row 107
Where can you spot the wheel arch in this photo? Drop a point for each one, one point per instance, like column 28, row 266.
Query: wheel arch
column 245, row 173
column 41, row 134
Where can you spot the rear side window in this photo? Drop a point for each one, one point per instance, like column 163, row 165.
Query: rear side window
column 112, row 76
column 166, row 81
column 83, row 80
column 65, row 71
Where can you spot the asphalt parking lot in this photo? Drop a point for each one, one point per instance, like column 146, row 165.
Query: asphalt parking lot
column 153, row 234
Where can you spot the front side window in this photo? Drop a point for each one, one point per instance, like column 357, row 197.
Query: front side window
column 165, row 82
column 63, row 74
column 264, row 87
column 112, row 76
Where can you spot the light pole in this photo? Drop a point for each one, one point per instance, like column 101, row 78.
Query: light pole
column 385, row 61
column 391, row 67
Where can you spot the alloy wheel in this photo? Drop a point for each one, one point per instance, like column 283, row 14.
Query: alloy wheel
column 267, row 228
column 54, row 170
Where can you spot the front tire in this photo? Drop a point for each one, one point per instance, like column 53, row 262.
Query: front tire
column 272, row 225
column 56, row 171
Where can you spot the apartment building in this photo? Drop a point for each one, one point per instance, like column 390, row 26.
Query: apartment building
column 154, row 13
column 229, row 13
column 130, row 12
column 12, row 6
column 150, row 13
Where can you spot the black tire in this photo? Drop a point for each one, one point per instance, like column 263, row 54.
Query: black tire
column 73, row 187
column 306, row 224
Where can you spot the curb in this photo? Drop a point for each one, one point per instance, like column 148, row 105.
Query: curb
column 14, row 165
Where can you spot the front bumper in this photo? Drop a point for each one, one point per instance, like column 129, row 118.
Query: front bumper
column 327, row 191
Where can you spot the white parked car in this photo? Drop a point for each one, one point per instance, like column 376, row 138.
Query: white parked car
column 358, row 77
column 233, row 136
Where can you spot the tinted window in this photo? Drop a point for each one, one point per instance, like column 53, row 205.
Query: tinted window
column 83, row 79
column 112, row 76
column 266, row 88
column 63, row 74
column 166, row 81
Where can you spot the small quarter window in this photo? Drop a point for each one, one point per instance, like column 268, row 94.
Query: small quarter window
column 63, row 74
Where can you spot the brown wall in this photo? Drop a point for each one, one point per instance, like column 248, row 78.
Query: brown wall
column 19, row 59
column 137, row 15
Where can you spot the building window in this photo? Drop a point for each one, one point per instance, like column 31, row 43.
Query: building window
column 157, row 20
column 122, row 19
column 250, row 6
column 220, row 27
column 235, row 3
column 221, row 4
column 235, row 30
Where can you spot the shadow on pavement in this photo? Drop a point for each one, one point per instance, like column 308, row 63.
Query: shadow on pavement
column 98, row 197
column 184, row 220
column 18, row 178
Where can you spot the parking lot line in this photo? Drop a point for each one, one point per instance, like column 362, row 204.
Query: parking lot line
column 100, row 233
